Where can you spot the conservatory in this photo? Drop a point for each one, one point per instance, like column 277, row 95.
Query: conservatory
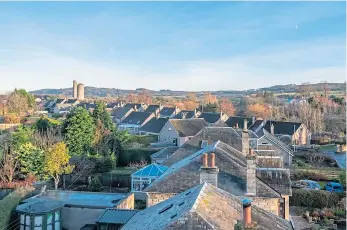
column 40, row 215
column 142, row 178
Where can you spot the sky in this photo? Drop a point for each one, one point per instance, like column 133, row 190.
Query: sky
column 189, row 46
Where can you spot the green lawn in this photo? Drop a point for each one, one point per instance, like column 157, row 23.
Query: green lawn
column 330, row 147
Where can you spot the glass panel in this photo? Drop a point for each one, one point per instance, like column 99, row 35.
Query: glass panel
column 27, row 227
column 103, row 227
column 49, row 218
column 22, row 219
column 27, row 220
column 50, row 227
column 57, row 215
column 57, row 226
column 38, row 221
column 21, row 227
column 37, row 228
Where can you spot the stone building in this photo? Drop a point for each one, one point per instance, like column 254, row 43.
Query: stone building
column 205, row 207
column 271, row 182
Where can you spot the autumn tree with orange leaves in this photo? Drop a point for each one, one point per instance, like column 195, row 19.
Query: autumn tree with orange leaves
column 259, row 110
column 227, row 107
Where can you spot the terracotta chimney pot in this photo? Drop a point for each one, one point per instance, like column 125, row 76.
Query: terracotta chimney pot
column 205, row 160
column 213, row 160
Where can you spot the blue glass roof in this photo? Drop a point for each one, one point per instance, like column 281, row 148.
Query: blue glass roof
column 152, row 170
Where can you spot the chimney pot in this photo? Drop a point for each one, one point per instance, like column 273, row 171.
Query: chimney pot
column 205, row 161
column 213, row 160
column 245, row 125
column 247, row 212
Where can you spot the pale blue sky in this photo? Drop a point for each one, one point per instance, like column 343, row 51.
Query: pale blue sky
column 171, row 45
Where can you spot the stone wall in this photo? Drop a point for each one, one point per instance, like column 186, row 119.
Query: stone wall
column 155, row 198
column 127, row 203
column 269, row 204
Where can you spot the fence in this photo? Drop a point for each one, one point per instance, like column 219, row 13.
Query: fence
column 317, row 174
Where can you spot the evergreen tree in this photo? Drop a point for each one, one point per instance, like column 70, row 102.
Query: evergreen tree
column 100, row 114
column 80, row 130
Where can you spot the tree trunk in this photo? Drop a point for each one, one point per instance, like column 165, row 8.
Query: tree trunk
column 56, row 182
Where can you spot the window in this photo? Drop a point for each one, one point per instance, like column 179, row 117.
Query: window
column 165, row 209
column 204, row 144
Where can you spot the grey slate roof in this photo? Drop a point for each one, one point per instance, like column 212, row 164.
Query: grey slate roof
column 152, row 108
column 188, row 127
column 211, row 134
column 251, row 134
column 132, row 105
column 278, row 179
column 210, row 117
column 282, row 127
column 116, row 216
column 39, row 207
column 167, row 111
column 118, row 113
column 202, row 207
column 231, row 122
column 256, row 125
column 155, row 125
column 165, row 152
column 184, row 174
column 136, row 118
column 59, row 100
column 71, row 101
column 219, row 123
column 186, row 114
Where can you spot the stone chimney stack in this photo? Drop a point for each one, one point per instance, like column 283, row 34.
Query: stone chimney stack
column 221, row 114
column 135, row 108
column 247, row 215
column 272, row 129
column 183, row 115
column 237, row 125
column 157, row 114
column 245, row 138
column 251, row 189
column 209, row 173
column 253, row 120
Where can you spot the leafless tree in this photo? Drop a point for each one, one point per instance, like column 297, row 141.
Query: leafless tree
column 46, row 139
column 8, row 165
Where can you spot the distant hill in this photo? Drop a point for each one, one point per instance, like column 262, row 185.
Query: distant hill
column 112, row 92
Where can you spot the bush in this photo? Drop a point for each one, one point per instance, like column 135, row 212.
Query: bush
column 95, row 185
column 8, row 205
column 135, row 155
column 104, row 164
column 315, row 198
column 342, row 178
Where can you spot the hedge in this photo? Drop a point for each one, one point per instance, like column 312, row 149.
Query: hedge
column 135, row 155
column 8, row 206
column 315, row 198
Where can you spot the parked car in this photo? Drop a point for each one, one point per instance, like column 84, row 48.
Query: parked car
column 306, row 184
column 334, row 187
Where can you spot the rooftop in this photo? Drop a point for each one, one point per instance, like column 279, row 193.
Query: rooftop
column 152, row 170
column 136, row 118
column 116, row 216
column 39, row 207
column 204, row 205
column 81, row 199
column 188, row 127
column 165, row 152
column 155, row 125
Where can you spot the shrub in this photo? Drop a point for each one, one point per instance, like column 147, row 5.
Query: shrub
column 135, row 155
column 104, row 164
column 95, row 185
column 8, row 205
column 342, row 178
column 315, row 198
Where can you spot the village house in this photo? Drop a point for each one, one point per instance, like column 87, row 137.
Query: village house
column 237, row 122
column 187, row 114
column 119, row 114
column 212, row 118
column 139, row 107
column 263, row 177
column 177, row 131
column 134, row 121
column 291, row 133
column 153, row 127
column 113, row 105
column 68, row 209
column 206, row 206
column 154, row 108
column 169, row 112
